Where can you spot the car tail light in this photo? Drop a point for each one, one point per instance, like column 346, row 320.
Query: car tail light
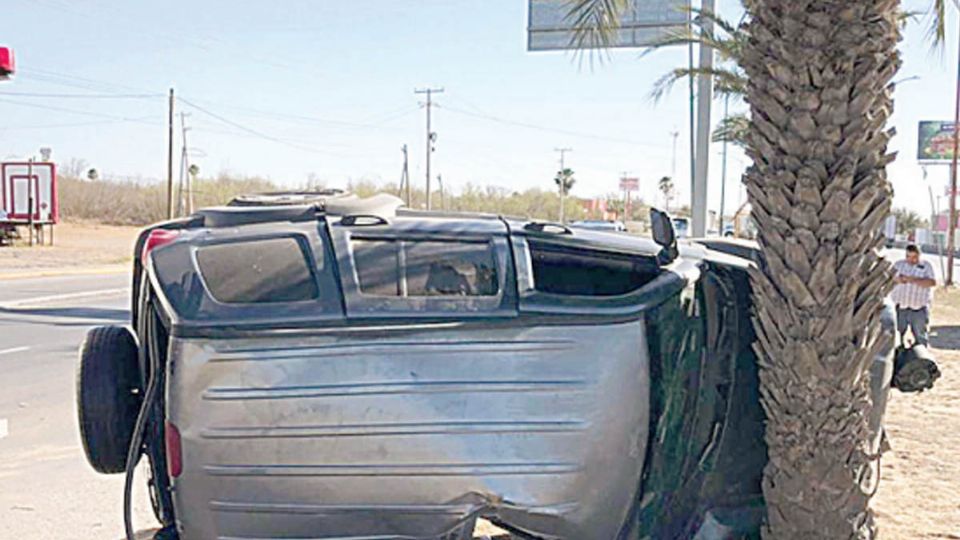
column 174, row 450
column 157, row 238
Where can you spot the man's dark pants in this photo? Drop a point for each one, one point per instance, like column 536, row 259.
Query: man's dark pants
column 915, row 319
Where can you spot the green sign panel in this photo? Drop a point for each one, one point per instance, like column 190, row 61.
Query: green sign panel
column 936, row 141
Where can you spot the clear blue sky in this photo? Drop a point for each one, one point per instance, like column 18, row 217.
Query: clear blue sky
column 330, row 85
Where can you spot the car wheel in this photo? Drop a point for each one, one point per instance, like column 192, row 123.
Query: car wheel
column 107, row 402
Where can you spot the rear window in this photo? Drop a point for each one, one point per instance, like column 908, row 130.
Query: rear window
column 562, row 270
column 257, row 272
column 414, row 268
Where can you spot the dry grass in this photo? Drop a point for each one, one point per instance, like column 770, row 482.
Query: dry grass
column 136, row 203
column 78, row 247
column 919, row 493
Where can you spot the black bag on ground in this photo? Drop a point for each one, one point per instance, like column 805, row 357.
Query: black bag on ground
column 914, row 369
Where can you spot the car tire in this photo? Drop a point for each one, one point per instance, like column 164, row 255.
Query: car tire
column 107, row 401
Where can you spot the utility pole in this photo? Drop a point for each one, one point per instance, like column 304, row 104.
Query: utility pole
column 405, row 178
column 563, row 179
column 723, row 173
column 952, row 225
column 170, row 158
column 30, row 199
column 673, row 161
column 692, row 113
column 184, row 187
column 443, row 202
column 431, row 136
column 626, row 196
column 698, row 205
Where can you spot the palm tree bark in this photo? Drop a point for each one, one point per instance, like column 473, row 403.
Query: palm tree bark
column 819, row 95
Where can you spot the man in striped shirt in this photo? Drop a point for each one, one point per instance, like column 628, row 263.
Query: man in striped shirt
column 912, row 294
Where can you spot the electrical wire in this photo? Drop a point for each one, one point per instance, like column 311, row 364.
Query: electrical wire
column 80, row 96
column 76, row 81
column 59, row 126
column 78, row 112
column 527, row 125
column 252, row 131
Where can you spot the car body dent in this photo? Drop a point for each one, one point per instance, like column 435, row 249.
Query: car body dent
column 410, row 432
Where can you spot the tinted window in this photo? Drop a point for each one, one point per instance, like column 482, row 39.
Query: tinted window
column 425, row 268
column 562, row 270
column 378, row 269
column 261, row 271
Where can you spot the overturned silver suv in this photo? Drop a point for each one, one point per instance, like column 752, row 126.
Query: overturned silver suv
column 324, row 366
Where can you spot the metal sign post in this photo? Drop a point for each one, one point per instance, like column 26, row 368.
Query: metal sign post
column 30, row 200
column 937, row 144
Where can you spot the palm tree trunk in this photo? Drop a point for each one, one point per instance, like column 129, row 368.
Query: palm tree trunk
column 818, row 92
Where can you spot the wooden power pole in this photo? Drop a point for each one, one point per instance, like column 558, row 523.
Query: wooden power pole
column 170, row 158
column 431, row 136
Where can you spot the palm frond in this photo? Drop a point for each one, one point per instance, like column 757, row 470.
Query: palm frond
column 732, row 129
column 594, row 22
column 906, row 17
column 723, row 24
column 726, row 48
column 937, row 32
column 727, row 81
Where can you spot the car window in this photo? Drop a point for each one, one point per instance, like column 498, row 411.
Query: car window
column 414, row 268
column 378, row 268
column 563, row 270
column 257, row 271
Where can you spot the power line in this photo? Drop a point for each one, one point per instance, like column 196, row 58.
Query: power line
column 75, row 111
column 527, row 125
column 129, row 92
column 80, row 96
column 374, row 123
column 76, row 81
column 67, row 125
column 252, row 131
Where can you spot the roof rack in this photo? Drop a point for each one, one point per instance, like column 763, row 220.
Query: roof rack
column 300, row 206
column 290, row 198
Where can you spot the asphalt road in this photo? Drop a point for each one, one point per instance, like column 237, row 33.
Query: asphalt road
column 47, row 489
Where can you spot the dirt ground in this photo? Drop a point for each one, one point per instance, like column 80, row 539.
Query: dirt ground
column 78, row 248
column 919, row 494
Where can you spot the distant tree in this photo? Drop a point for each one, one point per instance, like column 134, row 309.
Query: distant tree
column 665, row 185
column 615, row 204
column 73, row 167
column 565, row 181
column 908, row 221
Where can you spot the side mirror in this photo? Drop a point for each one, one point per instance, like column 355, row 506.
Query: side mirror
column 664, row 235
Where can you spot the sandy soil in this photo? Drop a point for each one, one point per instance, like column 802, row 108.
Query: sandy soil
column 919, row 494
column 78, row 247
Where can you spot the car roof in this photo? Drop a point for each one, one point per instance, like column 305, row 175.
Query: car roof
column 384, row 214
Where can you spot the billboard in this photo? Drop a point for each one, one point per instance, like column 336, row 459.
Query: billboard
column 549, row 28
column 629, row 184
column 28, row 188
column 936, row 141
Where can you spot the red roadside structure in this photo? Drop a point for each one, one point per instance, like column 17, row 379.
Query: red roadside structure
column 7, row 64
